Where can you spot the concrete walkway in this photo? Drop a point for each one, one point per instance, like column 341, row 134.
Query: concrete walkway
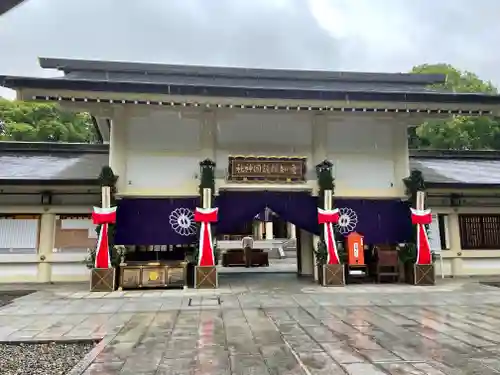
column 270, row 324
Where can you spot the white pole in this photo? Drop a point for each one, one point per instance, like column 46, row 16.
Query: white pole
column 420, row 204
column 328, row 200
column 207, row 194
column 106, row 196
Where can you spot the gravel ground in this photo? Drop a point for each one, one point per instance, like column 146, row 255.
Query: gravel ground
column 41, row 359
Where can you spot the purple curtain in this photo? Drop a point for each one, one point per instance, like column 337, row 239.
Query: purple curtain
column 298, row 208
column 381, row 221
column 237, row 208
column 151, row 221
column 265, row 215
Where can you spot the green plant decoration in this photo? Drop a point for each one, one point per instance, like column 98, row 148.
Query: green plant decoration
column 207, row 177
column 207, row 181
column 407, row 253
column 324, row 176
column 321, row 253
column 414, row 183
column 117, row 252
column 107, row 177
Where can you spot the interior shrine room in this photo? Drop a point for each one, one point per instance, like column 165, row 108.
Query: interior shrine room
column 252, row 170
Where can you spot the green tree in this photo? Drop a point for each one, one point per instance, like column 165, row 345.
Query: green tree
column 43, row 122
column 457, row 132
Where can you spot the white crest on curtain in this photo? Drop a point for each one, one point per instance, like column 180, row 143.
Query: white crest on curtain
column 348, row 220
column 182, row 221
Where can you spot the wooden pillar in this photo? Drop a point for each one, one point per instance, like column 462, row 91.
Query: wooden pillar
column 46, row 246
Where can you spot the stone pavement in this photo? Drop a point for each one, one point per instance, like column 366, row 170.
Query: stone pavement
column 270, row 324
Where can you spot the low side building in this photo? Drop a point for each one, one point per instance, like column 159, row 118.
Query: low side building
column 47, row 192
column 464, row 194
column 46, row 195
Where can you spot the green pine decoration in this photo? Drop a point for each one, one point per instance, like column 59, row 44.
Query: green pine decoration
column 207, row 178
column 324, row 176
column 108, row 178
column 413, row 183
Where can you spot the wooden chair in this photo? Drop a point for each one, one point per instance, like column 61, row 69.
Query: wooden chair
column 387, row 263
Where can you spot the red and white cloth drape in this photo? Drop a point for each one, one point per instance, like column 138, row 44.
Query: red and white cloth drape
column 206, row 216
column 103, row 217
column 328, row 218
column 421, row 218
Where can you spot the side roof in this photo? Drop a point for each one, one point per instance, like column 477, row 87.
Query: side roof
column 458, row 169
column 190, row 80
column 33, row 163
column 59, row 163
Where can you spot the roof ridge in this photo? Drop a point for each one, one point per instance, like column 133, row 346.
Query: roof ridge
column 74, row 65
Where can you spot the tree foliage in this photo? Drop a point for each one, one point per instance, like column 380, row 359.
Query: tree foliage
column 43, row 122
column 457, row 132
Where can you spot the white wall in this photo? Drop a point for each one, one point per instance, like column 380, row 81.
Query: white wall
column 366, row 156
column 273, row 134
column 162, row 153
column 164, row 147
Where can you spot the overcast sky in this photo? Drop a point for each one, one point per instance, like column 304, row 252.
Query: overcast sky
column 363, row 35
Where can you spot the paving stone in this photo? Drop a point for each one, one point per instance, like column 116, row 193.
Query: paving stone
column 363, row 368
column 269, row 327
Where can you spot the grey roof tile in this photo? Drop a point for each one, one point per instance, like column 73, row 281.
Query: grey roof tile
column 51, row 167
column 280, row 79
column 252, row 83
column 41, row 161
column 454, row 171
column 50, row 162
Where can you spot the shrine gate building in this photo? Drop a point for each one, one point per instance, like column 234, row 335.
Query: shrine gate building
column 266, row 130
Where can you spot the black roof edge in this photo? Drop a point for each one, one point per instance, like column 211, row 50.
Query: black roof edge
column 54, row 147
column 46, row 182
column 6, row 5
column 69, row 65
column 244, row 92
column 455, row 154
column 460, row 185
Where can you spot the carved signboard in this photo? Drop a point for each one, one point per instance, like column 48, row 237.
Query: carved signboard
column 267, row 169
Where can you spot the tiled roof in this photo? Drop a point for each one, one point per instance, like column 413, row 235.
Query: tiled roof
column 278, row 79
column 206, row 81
column 458, row 167
column 48, row 162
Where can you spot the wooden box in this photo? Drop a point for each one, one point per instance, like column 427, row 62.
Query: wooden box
column 424, row 274
column 332, row 275
column 102, row 279
column 206, row 277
